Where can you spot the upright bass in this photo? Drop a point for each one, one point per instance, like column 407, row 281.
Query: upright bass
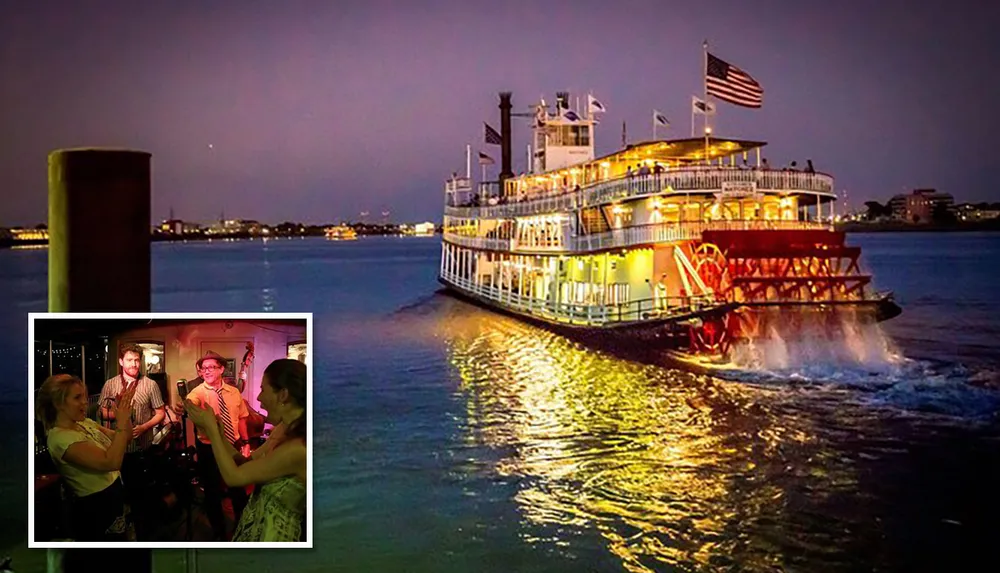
column 255, row 421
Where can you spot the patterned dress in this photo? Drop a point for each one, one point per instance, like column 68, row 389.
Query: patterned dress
column 275, row 512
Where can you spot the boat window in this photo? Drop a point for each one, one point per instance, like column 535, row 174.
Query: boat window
column 570, row 135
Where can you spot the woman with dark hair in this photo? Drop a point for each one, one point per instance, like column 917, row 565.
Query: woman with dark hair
column 88, row 457
column 277, row 507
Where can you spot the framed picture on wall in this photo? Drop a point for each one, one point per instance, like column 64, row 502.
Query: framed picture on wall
column 230, row 374
column 297, row 350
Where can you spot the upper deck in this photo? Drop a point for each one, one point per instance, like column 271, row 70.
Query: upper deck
column 489, row 203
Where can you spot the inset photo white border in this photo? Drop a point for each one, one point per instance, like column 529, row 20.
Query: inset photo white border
column 207, row 317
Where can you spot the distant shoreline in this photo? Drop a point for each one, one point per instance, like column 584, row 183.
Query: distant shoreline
column 979, row 226
column 10, row 243
column 988, row 225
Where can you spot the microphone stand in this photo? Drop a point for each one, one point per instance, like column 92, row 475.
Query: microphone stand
column 182, row 392
column 188, row 485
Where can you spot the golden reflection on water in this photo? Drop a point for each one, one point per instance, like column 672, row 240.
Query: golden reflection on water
column 668, row 466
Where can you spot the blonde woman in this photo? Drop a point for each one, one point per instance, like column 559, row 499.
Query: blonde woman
column 88, row 457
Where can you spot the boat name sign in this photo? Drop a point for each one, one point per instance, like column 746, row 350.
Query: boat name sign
column 734, row 189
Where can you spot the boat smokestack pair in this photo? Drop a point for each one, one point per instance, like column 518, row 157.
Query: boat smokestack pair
column 562, row 105
column 562, row 102
column 505, row 138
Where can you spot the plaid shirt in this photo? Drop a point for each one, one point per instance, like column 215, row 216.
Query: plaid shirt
column 144, row 404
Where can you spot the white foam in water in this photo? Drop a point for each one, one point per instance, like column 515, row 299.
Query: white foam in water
column 851, row 350
column 806, row 341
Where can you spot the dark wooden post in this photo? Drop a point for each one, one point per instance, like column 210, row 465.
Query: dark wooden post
column 99, row 261
column 99, row 233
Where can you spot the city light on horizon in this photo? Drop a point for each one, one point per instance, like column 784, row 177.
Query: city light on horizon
column 283, row 133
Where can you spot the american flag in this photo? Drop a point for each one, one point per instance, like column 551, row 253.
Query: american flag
column 492, row 137
column 729, row 83
column 485, row 159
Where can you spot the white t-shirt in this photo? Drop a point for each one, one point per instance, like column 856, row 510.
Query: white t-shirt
column 81, row 480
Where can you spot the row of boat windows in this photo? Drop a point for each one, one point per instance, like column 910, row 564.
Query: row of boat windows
column 607, row 217
column 526, row 279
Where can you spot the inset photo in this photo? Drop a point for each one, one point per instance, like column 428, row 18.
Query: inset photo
column 170, row 430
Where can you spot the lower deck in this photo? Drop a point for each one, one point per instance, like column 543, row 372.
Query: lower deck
column 587, row 290
column 669, row 281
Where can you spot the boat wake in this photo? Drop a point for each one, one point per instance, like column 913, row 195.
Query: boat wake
column 850, row 344
column 425, row 305
column 861, row 358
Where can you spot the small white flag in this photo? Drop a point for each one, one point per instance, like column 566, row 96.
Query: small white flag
column 593, row 105
column 701, row 106
column 659, row 118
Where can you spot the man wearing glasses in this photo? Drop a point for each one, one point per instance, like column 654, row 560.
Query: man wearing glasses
column 232, row 413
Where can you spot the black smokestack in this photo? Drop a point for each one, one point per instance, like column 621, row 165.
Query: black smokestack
column 505, row 135
column 562, row 102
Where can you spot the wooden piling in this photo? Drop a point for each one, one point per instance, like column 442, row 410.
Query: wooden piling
column 99, row 230
column 99, row 261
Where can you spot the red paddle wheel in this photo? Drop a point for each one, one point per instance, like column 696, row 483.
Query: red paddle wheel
column 712, row 334
column 710, row 264
column 801, row 269
column 810, row 266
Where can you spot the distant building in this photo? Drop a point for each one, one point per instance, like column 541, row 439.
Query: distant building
column 172, row 227
column 423, row 228
column 236, row 226
column 178, row 227
column 970, row 212
column 918, row 206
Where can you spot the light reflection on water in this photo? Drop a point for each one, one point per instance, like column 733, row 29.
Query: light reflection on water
column 670, row 467
column 451, row 439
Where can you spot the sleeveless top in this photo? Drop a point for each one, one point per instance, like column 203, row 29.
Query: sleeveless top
column 275, row 512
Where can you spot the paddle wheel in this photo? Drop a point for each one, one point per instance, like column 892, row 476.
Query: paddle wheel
column 710, row 264
column 798, row 266
column 712, row 335
column 770, row 272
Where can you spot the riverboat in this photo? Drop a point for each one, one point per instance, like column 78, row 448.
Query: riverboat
column 691, row 244
column 341, row 233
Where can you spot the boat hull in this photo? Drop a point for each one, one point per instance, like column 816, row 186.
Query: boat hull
column 670, row 339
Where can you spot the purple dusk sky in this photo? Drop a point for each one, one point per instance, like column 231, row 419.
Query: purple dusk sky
column 316, row 111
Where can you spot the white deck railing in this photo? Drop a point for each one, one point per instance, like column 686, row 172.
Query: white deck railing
column 631, row 236
column 688, row 180
column 586, row 315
